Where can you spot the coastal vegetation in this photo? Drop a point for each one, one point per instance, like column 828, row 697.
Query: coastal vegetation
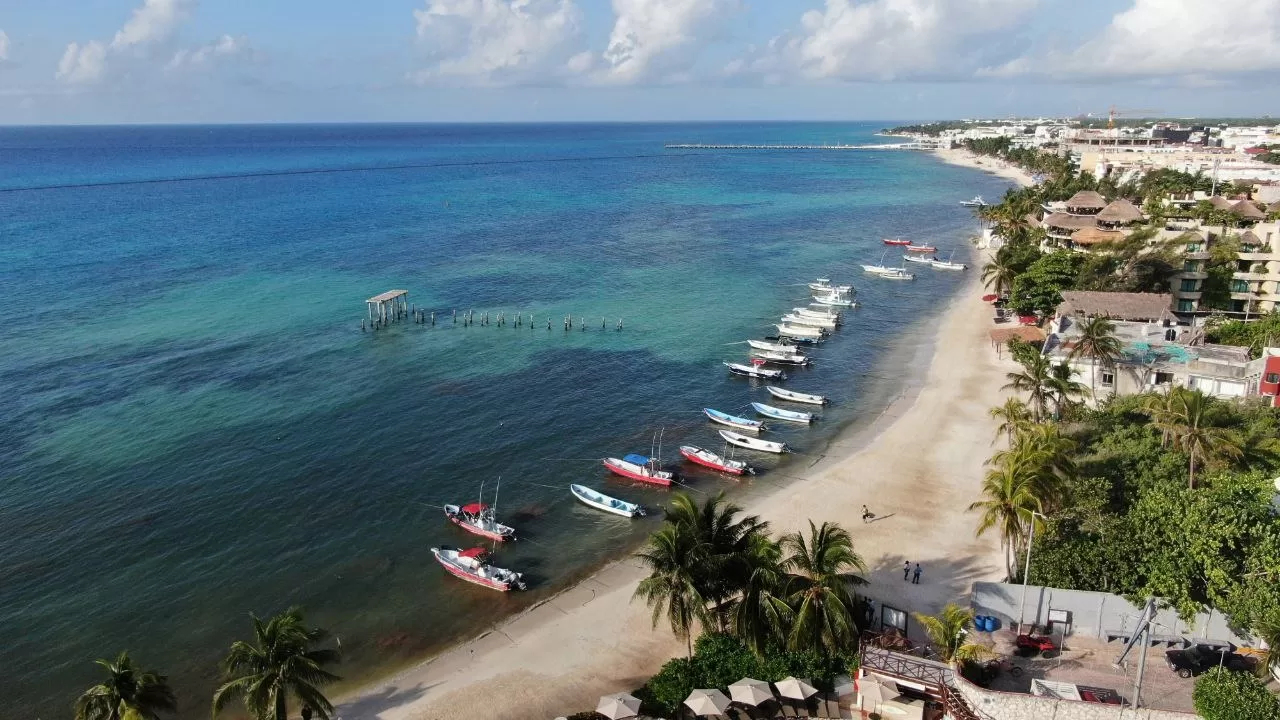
column 1221, row 694
column 766, row 607
column 948, row 632
column 126, row 693
column 1165, row 495
column 281, row 662
column 1255, row 334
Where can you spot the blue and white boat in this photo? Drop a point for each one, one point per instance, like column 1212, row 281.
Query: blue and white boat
column 600, row 501
column 780, row 414
column 751, row 443
column 755, row 371
column 733, row 421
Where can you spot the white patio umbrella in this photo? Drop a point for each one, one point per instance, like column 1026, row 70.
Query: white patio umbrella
column 618, row 706
column 876, row 691
column 750, row 692
column 795, row 688
column 707, row 702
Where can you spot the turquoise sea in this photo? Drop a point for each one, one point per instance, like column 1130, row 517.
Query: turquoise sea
column 193, row 425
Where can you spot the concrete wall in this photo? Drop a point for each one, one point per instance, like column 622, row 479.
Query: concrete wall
column 1093, row 614
column 1016, row 706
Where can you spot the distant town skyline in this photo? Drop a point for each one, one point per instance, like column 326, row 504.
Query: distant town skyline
column 164, row 61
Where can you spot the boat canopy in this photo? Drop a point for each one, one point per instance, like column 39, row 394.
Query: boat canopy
column 636, row 459
column 474, row 508
column 475, row 552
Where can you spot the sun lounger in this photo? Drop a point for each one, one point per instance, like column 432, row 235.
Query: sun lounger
column 737, row 713
column 788, row 709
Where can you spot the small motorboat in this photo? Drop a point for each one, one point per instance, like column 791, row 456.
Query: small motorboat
column 751, row 443
column 772, row 346
column 600, row 501
column 948, row 265
column 639, row 468
column 826, row 313
column 795, row 319
column 789, row 330
column 921, row 249
column 821, row 284
column 898, row 241
column 780, row 414
column 897, row 274
column 755, row 371
column 793, row 396
column 918, row 259
column 876, row 269
column 777, row 358
column 733, row 421
column 478, row 518
column 977, row 201
column 834, row 300
column 706, row 458
column 473, row 566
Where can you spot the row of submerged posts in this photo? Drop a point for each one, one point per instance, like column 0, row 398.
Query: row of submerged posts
column 393, row 306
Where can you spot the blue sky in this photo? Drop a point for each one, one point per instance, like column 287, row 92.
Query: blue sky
column 103, row 61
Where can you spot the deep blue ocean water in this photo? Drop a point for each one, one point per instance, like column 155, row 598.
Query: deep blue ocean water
column 193, row 425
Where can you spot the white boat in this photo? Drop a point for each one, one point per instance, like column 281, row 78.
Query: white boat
column 600, row 501
column 917, row 259
column 825, row 313
column 876, row 269
column 751, row 443
column 897, row 274
column 947, row 264
column 780, row 358
column 821, row 284
column 799, row 331
column 755, row 371
column 473, row 566
column 833, row 300
column 780, row 414
column 733, row 421
column 977, row 201
column 706, row 458
column 796, row 319
column 772, row 346
column 793, row 396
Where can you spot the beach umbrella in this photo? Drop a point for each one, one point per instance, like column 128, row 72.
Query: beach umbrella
column 750, row 692
column 618, row 706
column 876, row 690
column 796, row 689
column 707, row 702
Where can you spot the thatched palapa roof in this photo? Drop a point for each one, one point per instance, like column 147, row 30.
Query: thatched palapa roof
column 1120, row 211
column 1138, row 307
column 1070, row 222
column 1087, row 200
column 1025, row 333
column 1221, row 203
column 1247, row 211
column 1095, row 236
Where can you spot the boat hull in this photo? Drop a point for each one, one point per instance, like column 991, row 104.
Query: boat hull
column 737, row 423
column 921, row 249
column 698, row 456
column 461, row 573
column 896, row 242
column 780, row 414
column 753, row 443
column 772, row 347
column 477, row 530
column 755, row 372
column 585, row 496
column 795, row 396
column 799, row 331
column 639, row 474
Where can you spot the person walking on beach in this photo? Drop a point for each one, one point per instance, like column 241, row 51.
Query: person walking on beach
column 866, row 514
column 906, row 570
column 915, row 577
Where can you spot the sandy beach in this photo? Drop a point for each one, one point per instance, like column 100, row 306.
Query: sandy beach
column 917, row 467
column 964, row 158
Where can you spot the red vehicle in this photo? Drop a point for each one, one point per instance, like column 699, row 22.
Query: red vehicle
column 1032, row 644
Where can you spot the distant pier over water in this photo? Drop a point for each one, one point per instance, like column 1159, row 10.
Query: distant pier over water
column 870, row 146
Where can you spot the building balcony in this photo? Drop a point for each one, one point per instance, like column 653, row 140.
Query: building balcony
column 1186, row 294
column 1192, row 275
column 1258, row 256
column 1200, row 255
column 1244, row 296
column 1249, row 276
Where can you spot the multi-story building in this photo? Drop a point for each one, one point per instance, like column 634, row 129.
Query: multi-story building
column 1087, row 219
column 1255, row 279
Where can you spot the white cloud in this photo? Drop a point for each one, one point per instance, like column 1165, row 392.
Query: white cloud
column 83, row 63
column 1162, row 38
column 4, row 46
column 886, row 40
column 153, row 22
column 500, row 42
column 224, row 47
column 660, row 39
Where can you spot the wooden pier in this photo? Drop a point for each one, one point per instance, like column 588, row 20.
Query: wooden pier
column 388, row 307
column 881, row 146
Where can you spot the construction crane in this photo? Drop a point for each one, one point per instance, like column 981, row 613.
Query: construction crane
column 1113, row 112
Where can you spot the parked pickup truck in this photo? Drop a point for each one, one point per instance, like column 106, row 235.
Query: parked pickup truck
column 1200, row 658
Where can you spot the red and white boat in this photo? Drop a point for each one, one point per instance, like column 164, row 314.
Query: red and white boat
column 478, row 519
column 472, row 565
column 641, row 468
column 887, row 241
column 921, row 248
column 706, row 458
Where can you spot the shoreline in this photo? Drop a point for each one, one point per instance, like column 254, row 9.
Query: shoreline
column 965, row 158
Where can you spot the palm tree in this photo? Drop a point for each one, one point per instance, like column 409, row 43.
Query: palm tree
column 282, row 661
column 1194, row 432
column 721, row 540
column 1013, row 415
column 1035, row 379
column 1269, row 633
column 1063, row 389
column 674, row 584
column 998, row 275
column 1099, row 343
column 820, row 585
column 1009, row 501
column 947, row 632
column 761, row 617
column 127, row 693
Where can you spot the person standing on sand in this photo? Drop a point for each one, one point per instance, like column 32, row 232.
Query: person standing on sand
column 915, row 577
column 906, row 570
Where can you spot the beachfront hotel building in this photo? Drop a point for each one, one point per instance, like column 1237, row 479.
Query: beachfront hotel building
column 1255, row 280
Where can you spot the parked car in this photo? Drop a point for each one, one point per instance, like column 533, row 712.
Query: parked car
column 1200, row 658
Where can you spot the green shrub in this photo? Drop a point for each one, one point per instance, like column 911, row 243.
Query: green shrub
column 1221, row 694
column 672, row 684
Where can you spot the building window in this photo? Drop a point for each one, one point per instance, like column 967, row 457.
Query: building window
column 1239, row 286
column 1108, row 379
column 1186, row 306
column 1163, row 378
column 1273, row 378
column 1190, row 265
column 1188, row 285
column 1193, row 247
